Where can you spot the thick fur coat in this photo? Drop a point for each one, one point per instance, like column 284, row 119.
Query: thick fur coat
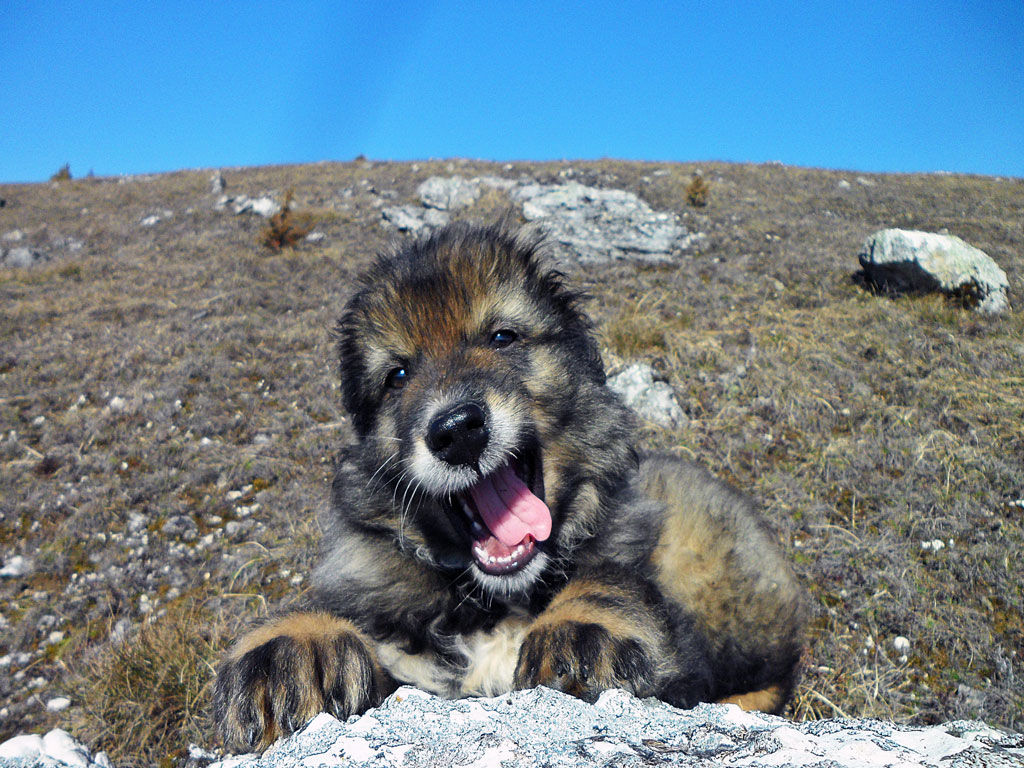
column 493, row 526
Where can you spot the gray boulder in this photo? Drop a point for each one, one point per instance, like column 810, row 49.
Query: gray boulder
column 545, row 727
column 448, row 194
column 524, row 729
column 651, row 400
column 22, row 257
column 600, row 225
column 909, row 261
column 413, row 218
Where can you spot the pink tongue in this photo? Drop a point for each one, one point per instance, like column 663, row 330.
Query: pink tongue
column 509, row 509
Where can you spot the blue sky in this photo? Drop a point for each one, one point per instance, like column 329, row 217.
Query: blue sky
column 873, row 86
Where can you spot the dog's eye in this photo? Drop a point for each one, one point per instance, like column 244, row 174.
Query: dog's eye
column 501, row 339
column 398, row 378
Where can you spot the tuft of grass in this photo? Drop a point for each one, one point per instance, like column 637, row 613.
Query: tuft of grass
column 285, row 228
column 147, row 697
column 697, row 192
column 63, row 173
column 645, row 328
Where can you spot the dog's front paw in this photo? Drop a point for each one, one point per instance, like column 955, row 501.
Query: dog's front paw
column 281, row 675
column 583, row 659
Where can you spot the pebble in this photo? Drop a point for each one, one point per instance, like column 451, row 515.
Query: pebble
column 58, row 704
column 15, row 567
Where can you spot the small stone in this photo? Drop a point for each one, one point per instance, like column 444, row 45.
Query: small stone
column 117, row 404
column 901, row 644
column 58, row 704
column 16, row 567
column 150, row 220
column 217, row 185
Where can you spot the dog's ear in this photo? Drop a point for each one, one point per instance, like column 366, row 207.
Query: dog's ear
column 352, row 366
column 577, row 330
column 565, row 302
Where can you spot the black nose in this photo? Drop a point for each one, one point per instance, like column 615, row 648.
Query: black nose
column 459, row 435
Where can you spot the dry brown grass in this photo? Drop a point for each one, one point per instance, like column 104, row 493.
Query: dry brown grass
column 863, row 424
column 147, row 697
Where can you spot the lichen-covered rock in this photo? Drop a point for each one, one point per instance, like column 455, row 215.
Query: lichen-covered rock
column 412, row 218
column 448, row 194
column 903, row 261
column 543, row 727
column 524, row 729
column 601, row 225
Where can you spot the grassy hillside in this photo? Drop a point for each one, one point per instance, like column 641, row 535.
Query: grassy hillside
column 169, row 413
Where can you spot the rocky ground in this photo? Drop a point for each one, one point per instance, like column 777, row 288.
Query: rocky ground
column 169, row 413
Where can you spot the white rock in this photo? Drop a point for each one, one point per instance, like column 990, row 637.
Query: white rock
column 412, row 218
column 448, row 194
column 652, row 400
column 15, row 567
column 117, row 404
column 264, row 206
column 64, row 750
column 217, row 185
column 543, row 727
column 150, row 220
column 902, row 260
column 24, row 747
column 23, row 257
column 599, row 225
column 58, row 704
column 14, row 236
column 901, row 644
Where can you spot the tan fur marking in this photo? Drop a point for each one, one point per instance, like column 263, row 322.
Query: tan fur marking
column 573, row 604
column 744, row 593
column 299, row 626
column 766, row 700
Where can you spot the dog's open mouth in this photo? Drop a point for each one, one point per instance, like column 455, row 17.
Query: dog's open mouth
column 507, row 517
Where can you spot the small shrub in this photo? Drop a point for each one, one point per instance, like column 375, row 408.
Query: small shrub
column 285, row 229
column 697, row 192
column 63, row 173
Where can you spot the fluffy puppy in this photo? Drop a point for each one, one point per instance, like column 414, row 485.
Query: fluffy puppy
column 493, row 527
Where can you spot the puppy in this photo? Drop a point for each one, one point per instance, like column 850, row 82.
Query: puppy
column 494, row 528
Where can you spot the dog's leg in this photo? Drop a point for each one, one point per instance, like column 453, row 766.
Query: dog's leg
column 604, row 631
column 283, row 673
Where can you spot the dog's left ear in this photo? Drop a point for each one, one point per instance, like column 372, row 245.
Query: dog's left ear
column 353, row 367
column 583, row 339
column 576, row 325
